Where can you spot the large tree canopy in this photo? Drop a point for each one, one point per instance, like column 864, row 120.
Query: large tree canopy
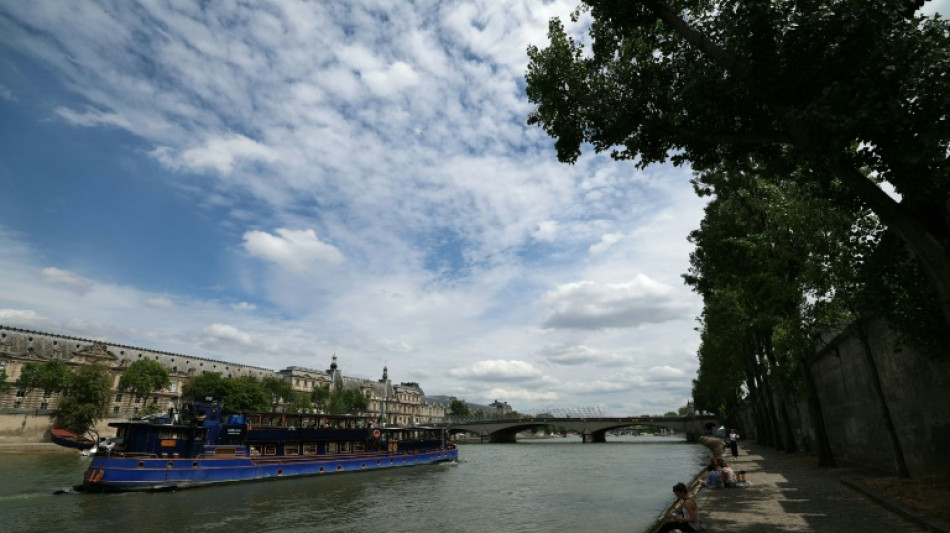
column 851, row 90
column 51, row 376
column 85, row 398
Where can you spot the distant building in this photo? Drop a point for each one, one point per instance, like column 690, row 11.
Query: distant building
column 397, row 405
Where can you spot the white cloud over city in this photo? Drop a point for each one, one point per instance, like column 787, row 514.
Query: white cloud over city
column 273, row 183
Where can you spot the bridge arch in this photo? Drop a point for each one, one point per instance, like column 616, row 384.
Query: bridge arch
column 590, row 429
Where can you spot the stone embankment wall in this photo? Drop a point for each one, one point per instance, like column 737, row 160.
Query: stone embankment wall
column 916, row 390
column 33, row 426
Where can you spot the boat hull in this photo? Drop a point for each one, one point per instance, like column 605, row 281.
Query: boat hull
column 123, row 474
column 68, row 439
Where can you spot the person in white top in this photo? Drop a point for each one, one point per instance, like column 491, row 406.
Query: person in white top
column 734, row 442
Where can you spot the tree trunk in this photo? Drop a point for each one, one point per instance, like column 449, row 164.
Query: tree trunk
column 826, row 457
column 899, row 462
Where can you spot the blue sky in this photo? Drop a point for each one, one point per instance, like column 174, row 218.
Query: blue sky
column 275, row 183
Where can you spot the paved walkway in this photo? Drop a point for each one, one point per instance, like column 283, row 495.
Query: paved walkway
column 790, row 493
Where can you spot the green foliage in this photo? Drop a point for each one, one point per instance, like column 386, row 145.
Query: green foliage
column 300, row 402
column 280, row 389
column 143, row 377
column 347, row 401
column 243, row 393
column 778, row 261
column 50, row 376
column 246, row 393
column 205, row 386
column 321, row 397
column 832, row 95
column 85, row 398
column 459, row 408
column 5, row 387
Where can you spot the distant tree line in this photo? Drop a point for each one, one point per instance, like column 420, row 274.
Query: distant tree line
column 85, row 392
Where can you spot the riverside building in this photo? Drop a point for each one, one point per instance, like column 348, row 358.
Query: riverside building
column 401, row 404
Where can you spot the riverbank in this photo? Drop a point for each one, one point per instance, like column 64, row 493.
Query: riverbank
column 788, row 492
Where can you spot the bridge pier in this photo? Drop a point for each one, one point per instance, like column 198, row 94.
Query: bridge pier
column 498, row 437
column 593, row 436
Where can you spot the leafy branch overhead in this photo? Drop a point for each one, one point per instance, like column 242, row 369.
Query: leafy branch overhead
column 853, row 92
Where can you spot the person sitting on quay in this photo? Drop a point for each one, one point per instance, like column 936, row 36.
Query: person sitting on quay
column 686, row 518
column 728, row 476
column 713, row 478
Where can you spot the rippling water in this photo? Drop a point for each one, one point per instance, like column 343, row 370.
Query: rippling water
column 534, row 485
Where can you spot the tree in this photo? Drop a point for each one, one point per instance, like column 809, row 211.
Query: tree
column 142, row 378
column 459, row 408
column 246, row 393
column 774, row 260
column 301, row 402
column 279, row 389
column 208, row 385
column 50, row 376
column 85, row 398
column 851, row 91
column 4, row 386
column 347, row 401
column 321, row 397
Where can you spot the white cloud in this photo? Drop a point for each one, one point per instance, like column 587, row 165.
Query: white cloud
column 522, row 395
column 591, row 305
column 229, row 334
column 546, row 231
column 92, row 117
column 497, row 370
column 295, row 250
column 66, row 277
column 160, row 302
column 667, row 371
column 605, row 243
column 297, row 131
column 563, row 354
column 220, row 154
column 20, row 316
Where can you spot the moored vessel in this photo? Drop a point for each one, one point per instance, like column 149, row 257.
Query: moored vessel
column 203, row 446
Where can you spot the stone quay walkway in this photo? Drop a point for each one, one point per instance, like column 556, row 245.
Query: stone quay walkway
column 789, row 492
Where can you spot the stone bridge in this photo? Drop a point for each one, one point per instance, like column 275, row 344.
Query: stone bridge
column 590, row 429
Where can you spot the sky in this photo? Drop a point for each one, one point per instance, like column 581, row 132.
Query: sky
column 276, row 183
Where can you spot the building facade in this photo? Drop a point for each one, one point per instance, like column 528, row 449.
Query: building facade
column 396, row 405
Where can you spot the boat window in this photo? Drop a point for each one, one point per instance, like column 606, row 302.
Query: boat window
column 270, row 449
column 291, row 449
column 310, row 448
column 332, row 447
column 359, row 446
column 346, row 447
column 168, row 434
column 271, row 421
column 255, row 449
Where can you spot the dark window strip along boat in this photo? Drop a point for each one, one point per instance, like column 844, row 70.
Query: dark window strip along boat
column 200, row 447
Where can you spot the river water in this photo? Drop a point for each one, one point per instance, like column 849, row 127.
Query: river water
column 555, row 484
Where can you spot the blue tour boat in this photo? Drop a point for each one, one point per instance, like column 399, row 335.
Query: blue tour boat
column 201, row 446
